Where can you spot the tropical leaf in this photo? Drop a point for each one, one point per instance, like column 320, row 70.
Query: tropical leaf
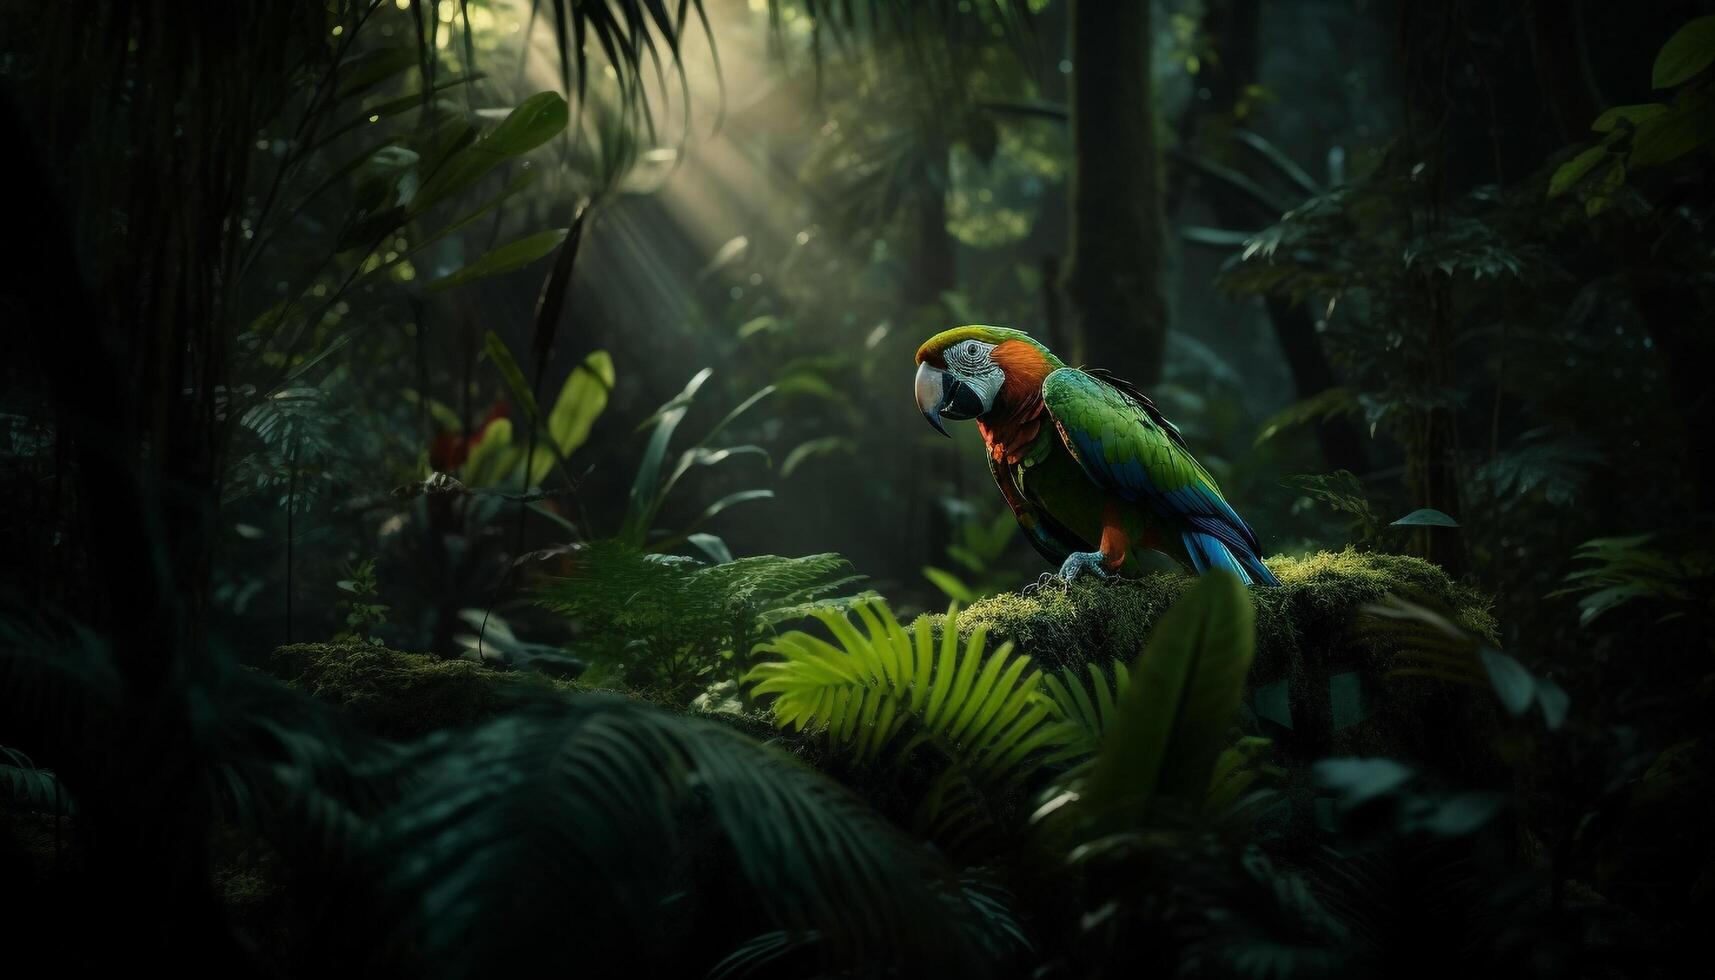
column 533, row 122
column 1425, row 517
column 506, row 258
column 1172, row 720
column 654, row 482
column 1320, row 407
column 1690, row 50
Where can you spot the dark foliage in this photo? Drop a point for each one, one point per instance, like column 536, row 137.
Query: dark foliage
column 345, row 329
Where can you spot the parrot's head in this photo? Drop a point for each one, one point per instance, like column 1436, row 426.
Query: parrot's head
column 961, row 372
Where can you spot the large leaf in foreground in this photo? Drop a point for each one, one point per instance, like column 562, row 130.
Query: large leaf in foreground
column 1173, row 717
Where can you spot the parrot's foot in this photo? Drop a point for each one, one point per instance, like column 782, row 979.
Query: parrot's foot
column 1042, row 582
column 1081, row 563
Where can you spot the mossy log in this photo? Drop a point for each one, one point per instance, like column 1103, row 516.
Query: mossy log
column 1324, row 682
column 404, row 695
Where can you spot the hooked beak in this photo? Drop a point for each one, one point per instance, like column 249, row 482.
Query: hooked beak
column 940, row 395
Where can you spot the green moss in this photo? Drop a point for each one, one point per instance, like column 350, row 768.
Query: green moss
column 403, row 695
column 1312, row 643
column 1318, row 597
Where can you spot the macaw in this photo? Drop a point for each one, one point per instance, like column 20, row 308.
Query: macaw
column 1090, row 467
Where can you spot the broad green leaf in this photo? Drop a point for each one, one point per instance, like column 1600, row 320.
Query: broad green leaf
column 506, row 258
column 1320, row 407
column 581, row 400
column 804, row 451
column 743, row 496
column 1601, row 193
column 1568, row 174
column 1608, row 121
column 535, row 121
column 1356, row 781
column 1686, row 53
column 1171, row 723
column 1671, row 135
column 1513, row 684
column 1426, row 517
column 1554, row 701
column 711, row 545
column 762, row 324
column 491, row 460
column 511, row 374
column 1460, row 814
column 949, row 583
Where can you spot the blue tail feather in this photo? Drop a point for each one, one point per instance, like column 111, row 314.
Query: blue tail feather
column 1208, row 551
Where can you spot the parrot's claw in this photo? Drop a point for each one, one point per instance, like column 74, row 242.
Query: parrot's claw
column 1081, row 563
column 1042, row 582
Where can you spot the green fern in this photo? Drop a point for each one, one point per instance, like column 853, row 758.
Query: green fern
column 888, row 690
column 596, row 810
column 1085, row 714
column 26, row 787
column 909, row 696
column 679, row 619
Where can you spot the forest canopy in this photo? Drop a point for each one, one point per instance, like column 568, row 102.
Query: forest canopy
column 463, row 512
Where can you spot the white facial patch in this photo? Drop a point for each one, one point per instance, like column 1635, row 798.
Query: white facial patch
column 970, row 362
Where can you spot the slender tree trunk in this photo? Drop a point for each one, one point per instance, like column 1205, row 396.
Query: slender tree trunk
column 1431, row 435
column 1236, row 23
column 1565, row 86
column 1114, row 270
column 933, row 266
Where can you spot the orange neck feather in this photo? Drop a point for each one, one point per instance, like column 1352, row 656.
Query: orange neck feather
column 1012, row 422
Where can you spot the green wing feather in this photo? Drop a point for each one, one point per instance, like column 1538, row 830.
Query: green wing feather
column 1123, row 448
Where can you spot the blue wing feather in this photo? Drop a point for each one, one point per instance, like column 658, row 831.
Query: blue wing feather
column 1216, row 535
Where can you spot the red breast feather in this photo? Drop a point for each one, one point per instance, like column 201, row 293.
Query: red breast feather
column 1015, row 418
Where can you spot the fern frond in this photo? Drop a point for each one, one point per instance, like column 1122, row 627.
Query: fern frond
column 886, row 689
column 671, row 608
column 57, row 686
column 599, row 811
column 1084, row 719
column 26, row 787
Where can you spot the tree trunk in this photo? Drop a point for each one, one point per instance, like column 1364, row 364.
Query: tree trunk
column 1430, row 436
column 932, row 269
column 1114, row 270
column 1235, row 23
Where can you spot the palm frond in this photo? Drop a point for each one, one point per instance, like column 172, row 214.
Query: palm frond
column 24, row 786
column 56, row 688
column 630, row 35
column 607, row 813
column 297, row 772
